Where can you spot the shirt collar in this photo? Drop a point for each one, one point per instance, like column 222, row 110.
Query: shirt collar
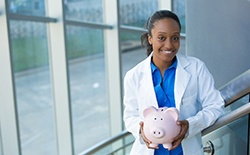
column 174, row 65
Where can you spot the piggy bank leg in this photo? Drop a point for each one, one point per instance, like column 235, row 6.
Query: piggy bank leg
column 167, row 145
column 153, row 145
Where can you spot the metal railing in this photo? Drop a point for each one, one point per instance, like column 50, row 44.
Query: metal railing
column 232, row 91
column 105, row 143
column 236, row 88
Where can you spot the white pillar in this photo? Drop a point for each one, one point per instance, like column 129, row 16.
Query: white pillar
column 113, row 67
column 8, row 118
column 60, row 78
column 165, row 4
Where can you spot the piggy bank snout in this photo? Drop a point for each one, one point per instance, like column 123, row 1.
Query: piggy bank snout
column 157, row 132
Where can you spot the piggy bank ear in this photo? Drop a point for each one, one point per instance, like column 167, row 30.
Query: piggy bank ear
column 173, row 112
column 148, row 110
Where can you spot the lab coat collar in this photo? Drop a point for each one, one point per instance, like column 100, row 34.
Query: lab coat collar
column 181, row 80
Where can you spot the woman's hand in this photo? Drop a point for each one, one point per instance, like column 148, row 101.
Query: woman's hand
column 184, row 128
column 147, row 142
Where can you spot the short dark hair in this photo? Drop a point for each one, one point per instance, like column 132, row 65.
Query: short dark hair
column 158, row 15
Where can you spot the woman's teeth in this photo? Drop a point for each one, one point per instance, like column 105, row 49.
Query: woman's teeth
column 167, row 52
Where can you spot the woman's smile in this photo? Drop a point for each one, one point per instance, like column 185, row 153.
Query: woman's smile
column 167, row 52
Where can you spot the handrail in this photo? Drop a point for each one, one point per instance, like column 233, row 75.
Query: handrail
column 236, row 88
column 118, row 149
column 226, row 119
column 232, row 91
column 104, row 143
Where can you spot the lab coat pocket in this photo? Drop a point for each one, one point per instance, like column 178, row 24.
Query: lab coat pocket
column 187, row 100
column 189, row 106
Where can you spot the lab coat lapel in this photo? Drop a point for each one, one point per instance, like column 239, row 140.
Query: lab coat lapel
column 181, row 80
column 147, row 86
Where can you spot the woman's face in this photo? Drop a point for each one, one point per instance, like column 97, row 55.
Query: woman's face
column 165, row 41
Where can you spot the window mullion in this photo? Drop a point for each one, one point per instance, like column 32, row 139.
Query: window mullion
column 165, row 4
column 58, row 61
column 8, row 118
column 112, row 57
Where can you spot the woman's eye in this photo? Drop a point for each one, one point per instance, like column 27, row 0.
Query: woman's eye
column 175, row 38
column 161, row 38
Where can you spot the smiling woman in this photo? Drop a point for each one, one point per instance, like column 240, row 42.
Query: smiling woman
column 169, row 78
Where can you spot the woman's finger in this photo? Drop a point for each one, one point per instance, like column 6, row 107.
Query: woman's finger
column 147, row 141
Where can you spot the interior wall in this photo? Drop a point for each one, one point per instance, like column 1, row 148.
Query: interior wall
column 218, row 32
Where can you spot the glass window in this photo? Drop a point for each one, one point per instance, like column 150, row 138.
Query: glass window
column 27, row 7
column 88, row 90
column 136, row 13
column 132, row 53
column 179, row 7
column 84, row 10
column 33, row 88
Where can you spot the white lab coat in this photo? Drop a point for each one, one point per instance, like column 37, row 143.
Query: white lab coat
column 195, row 97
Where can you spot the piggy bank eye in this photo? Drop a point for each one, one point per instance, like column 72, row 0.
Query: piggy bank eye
column 162, row 109
column 155, row 118
column 161, row 118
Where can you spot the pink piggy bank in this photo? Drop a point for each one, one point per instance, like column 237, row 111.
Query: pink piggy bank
column 160, row 125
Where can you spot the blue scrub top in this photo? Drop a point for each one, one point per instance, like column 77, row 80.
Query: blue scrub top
column 164, row 90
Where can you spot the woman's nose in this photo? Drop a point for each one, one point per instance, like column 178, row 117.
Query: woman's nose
column 168, row 44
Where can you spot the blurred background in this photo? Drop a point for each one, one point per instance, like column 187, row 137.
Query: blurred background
column 62, row 64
